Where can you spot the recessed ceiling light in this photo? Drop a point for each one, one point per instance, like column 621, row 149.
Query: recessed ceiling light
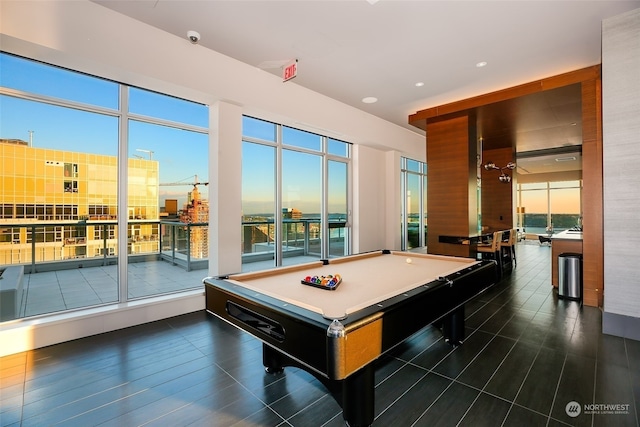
column 369, row 99
column 481, row 64
column 419, row 84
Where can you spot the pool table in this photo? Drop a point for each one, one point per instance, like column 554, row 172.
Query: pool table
column 337, row 334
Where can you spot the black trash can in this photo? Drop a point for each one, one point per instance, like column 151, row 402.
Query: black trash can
column 570, row 276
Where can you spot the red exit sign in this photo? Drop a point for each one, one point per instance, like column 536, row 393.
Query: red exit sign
column 290, row 71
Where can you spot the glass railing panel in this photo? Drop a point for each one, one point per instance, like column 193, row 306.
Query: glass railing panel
column 52, row 267
column 338, row 238
column 65, row 266
column 56, row 266
column 258, row 236
column 185, row 244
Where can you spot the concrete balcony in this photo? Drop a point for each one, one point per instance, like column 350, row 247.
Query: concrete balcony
column 164, row 257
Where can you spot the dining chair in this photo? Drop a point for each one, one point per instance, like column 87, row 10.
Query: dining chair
column 508, row 246
column 492, row 250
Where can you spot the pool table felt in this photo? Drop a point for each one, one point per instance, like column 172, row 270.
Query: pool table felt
column 367, row 279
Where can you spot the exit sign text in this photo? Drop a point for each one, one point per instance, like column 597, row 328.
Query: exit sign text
column 290, row 71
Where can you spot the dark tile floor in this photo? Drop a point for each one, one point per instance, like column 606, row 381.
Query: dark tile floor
column 526, row 357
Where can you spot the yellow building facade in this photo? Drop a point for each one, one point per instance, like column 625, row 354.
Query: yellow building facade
column 63, row 204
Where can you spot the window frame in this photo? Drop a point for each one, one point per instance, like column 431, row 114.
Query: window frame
column 67, row 210
column 326, row 157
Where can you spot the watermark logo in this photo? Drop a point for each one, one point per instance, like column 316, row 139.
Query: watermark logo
column 607, row 408
column 573, row 409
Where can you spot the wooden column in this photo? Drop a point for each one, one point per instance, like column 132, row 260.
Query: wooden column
column 497, row 197
column 592, row 194
column 451, row 193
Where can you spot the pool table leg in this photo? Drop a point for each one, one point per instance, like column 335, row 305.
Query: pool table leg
column 272, row 360
column 453, row 326
column 355, row 393
column 358, row 397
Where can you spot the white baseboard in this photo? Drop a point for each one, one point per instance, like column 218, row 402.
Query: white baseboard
column 28, row 334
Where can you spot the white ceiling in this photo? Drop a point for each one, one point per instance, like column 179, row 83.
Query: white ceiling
column 352, row 49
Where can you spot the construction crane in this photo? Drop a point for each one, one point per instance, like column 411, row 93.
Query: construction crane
column 197, row 210
column 195, row 182
column 149, row 152
column 195, row 194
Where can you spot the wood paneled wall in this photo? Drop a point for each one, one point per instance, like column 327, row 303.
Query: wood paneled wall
column 422, row 117
column 496, row 196
column 446, row 208
column 592, row 195
column 450, row 200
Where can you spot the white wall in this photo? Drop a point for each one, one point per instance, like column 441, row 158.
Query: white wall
column 368, row 199
column 225, row 178
column 621, row 153
column 393, row 238
column 84, row 36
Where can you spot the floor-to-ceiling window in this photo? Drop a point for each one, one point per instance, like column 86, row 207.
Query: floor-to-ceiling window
column 81, row 164
column 167, row 199
column 301, row 194
column 544, row 207
column 565, row 204
column 338, row 206
column 258, row 201
column 295, row 194
column 414, row 203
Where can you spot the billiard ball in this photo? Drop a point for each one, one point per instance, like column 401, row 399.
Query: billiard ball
column 409, row 261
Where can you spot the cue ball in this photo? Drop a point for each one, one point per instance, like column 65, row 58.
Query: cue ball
column 409, row 261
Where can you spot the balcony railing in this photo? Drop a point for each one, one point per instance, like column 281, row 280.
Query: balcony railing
column 300, row 237
column 185, row 244
column 76, row 261
column 50, row 246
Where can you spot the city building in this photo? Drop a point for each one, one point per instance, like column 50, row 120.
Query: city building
column 291, row 213
column 71, row 200
column 196, row 211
